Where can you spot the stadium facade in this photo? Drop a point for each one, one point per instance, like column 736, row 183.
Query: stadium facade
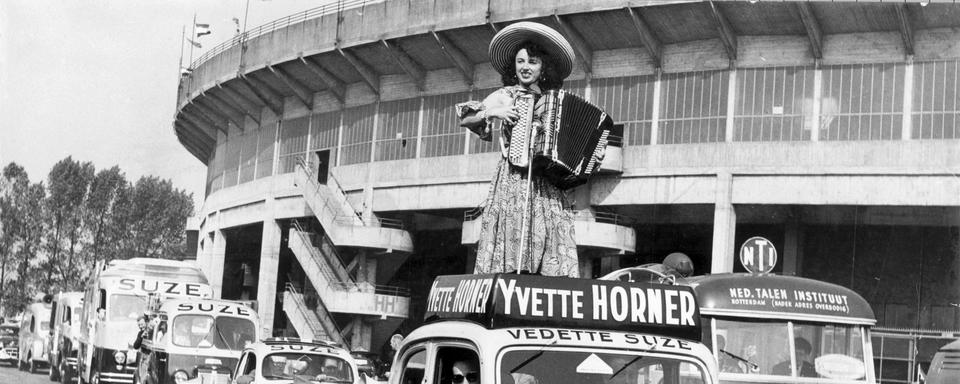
column 339, row 182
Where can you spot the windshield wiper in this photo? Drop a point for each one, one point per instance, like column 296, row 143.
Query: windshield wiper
column 753, row 366
column 644, row 352
column 532, row 358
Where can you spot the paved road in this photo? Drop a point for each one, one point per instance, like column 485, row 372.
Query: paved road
column 10, row 375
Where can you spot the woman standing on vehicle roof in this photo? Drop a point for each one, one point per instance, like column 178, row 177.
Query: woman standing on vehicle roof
column 531, row 58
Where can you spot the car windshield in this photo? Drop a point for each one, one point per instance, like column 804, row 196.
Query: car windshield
column 309, row 367
column 754, row 347
column 529, row 365
column 203, row 331
column 126, row 307
column 9, row 331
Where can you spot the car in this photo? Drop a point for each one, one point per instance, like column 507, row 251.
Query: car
column 9, row 339
column 285, row 360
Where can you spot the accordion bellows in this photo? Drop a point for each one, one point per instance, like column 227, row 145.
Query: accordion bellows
column 568, row 148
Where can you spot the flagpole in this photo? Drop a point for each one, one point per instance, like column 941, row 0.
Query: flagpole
column 194, row 38
column 183, row 35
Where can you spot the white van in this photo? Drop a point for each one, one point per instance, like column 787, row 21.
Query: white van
column 34, row 332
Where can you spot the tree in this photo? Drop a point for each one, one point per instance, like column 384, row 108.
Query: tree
column 21, row 209
column 99, row 210
column 151, row 218
column 68, row 183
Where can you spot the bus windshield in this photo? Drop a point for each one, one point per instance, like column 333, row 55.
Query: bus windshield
column 126, row 307
column 203, row 331
column 793, row 349
column 527, row 365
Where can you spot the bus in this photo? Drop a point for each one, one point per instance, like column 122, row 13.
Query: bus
column 114, row 299
column 195, row 338
column 64, row 331
column 767, row 328
column 526, row 329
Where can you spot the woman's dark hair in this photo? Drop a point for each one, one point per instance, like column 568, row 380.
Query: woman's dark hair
column 549, row 79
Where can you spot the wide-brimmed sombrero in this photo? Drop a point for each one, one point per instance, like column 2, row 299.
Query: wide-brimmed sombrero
column 504, row 46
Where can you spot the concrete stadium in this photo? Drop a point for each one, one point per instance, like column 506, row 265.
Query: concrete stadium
column 339, row 182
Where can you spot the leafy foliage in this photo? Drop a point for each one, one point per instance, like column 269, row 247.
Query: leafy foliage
column 52, row 235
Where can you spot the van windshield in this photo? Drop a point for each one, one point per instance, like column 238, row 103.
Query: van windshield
column 817, row 350
column 126, row 307
column 203, row 331
column 529, row 365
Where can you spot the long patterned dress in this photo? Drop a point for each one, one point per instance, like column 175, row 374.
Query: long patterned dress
column 551, row 248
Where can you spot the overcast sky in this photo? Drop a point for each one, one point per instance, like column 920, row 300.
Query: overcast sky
column 97, row 80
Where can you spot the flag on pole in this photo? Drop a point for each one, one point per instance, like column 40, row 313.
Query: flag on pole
column 201, row 29
column 195, row 44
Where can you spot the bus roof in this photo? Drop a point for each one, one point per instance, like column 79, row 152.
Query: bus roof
column 212, row 307
column 780, row 297
column 511, row 300
column 156, row 268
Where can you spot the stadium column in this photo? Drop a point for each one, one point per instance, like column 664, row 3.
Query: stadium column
column 791, row 247
column 366, row 275
column 217, row 257
column 724, row 225
column 267, row 279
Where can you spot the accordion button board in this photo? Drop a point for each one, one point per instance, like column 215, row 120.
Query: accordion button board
column 569, row 147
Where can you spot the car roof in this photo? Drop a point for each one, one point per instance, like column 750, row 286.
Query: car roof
column 291, row 344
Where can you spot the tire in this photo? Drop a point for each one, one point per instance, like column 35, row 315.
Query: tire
column 32, row 367
column 21, row 365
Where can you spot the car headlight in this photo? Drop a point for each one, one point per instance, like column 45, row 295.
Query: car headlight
column 180, row 377
column 119, row 357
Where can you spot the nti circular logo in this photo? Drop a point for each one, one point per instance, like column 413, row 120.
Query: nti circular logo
column 758, row 255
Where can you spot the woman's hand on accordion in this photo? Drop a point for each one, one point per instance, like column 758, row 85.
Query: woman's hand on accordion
column 506, row 113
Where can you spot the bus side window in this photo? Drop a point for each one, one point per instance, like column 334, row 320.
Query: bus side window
column 414, row 365
column 102, row 302
column 53, row 316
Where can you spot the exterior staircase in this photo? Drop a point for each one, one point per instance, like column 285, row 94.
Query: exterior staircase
column 310, row 323
column 338, row 289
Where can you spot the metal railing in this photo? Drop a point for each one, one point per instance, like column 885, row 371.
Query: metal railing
column 336, row 206
column 334, row 281
column 327, row 254
column 596, row 216
column 321, row 311
column 473, row 213
column 603, row 217
column 282, row 22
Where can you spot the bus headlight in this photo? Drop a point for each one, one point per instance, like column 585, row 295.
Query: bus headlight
column 180, row 377
column 119, row 357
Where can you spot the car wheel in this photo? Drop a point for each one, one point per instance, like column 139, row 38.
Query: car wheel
column 21, row 365
column 32, row 366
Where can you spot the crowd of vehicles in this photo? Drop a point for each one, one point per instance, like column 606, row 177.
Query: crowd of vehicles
column 651, row 324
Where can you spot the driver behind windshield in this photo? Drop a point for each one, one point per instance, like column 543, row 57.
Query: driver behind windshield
column 332, row 371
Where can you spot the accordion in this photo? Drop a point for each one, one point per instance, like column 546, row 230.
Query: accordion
column 568, row 147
